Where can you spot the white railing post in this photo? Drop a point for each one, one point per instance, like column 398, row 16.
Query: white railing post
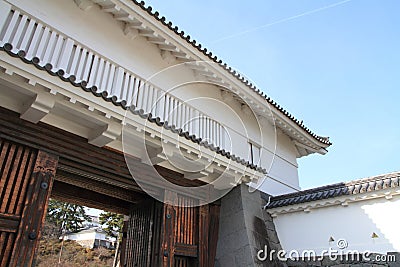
column 117, row 86
column 179, row 114
column 143, row 96
column 48, row 49
column 196, row 123
column 99, row 72
column 57, row 52
column 135, row 92
column 27, row 36
column 66, row 55
column 106, row 71
column 160, row 104
column 150, row 102
column 88, row 63
column 174, row 111
column 187, row 118
column 167, row 108
column 75, row 59
column 6, row 32
column 5, row 9
column 18, row 33
column 81, row 65
column 41, row 50
column 124, row 93
column 190, row 121
column 110, row 80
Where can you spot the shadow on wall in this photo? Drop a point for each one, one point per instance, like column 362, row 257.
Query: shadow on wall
column 265, row 237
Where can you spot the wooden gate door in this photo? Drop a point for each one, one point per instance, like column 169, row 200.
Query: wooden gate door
column 26, row 180
column 142, row 243
column 189, row 234
column 171, row 235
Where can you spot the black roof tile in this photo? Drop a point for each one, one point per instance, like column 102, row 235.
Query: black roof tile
column 339, row 189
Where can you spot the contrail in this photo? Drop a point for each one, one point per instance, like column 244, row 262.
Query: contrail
column 281, row 21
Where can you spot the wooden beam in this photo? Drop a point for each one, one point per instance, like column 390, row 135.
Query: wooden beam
column 213, row 232
column 81, row 196
column 168, row 234
column 203, row 235
column 106, row 162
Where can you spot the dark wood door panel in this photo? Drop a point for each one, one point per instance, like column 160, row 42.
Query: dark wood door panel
column 25, row 184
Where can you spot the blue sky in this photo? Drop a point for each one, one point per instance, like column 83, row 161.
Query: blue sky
column 333, row 64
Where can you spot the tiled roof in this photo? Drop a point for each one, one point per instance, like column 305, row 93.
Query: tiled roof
column 7, row 47
column 369, row 184
column 236, row 74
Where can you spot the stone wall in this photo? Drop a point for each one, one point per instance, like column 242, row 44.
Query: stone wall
column 245, row 228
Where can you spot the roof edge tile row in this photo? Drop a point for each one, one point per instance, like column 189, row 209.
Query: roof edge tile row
column 375, row 183
column 233, row 72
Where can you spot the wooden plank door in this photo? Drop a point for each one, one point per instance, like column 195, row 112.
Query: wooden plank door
column 189, row 233
column 171, row 235
column 142, row 243
column 186, row 238
column 26, row 180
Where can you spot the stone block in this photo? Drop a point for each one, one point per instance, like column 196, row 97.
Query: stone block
column 272, row 236
column 330, row 262
column 396, row 261
column 243, row 257
column 226, row 260
column 243, row 231
column 269, row 225
column 232, row 224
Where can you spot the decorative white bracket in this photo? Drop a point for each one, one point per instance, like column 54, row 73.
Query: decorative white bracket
column 105, row 135
column 85, row 5
column 40, row 106
column 167, row 56
column 130, row 31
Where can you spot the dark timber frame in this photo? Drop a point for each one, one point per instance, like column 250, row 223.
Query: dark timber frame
column 38, row 161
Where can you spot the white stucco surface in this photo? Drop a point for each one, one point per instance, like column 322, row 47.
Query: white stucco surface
column 354, row 223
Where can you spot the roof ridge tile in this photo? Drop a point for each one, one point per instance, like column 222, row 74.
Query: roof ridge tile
column 369, row 184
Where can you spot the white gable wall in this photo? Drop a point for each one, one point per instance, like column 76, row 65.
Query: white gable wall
column 354, row 223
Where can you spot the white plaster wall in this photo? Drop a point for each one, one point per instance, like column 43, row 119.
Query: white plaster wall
column 355, row 223
column 100, row 236
column 84, row 236
column 278, row 154
column 145, row 60
column 281, row 163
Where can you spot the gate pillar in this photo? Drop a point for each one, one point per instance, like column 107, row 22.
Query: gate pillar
column 27, row 177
